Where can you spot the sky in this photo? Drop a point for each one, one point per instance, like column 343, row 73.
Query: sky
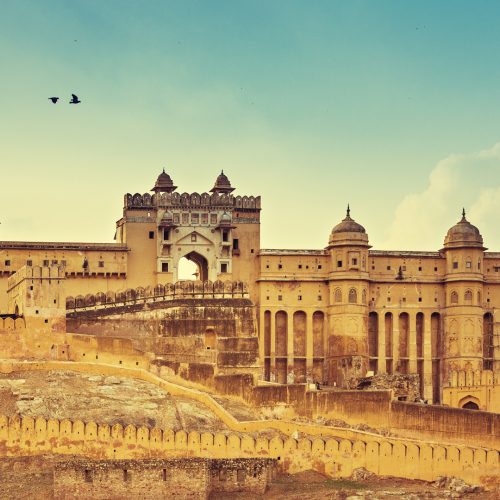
column 392, row 106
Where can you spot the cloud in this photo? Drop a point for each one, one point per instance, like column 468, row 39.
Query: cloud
column 422, row 219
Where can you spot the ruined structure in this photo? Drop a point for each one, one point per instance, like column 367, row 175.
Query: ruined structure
column 266, row 326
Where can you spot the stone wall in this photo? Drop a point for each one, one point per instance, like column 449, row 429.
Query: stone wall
column 193, row 478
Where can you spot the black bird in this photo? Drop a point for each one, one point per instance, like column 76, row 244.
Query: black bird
column 74, row 99
column 54, row 99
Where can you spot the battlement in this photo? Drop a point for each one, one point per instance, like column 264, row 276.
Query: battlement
column 35, row 272
column 193, row 200
column 179, row 290
column 470, row 378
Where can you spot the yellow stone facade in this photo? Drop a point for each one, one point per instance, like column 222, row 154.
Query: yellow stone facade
column 329, row 315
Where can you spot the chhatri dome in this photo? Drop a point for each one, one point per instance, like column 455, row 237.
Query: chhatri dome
column 222, row 184
column 348, row 232
column 463, row 234
column 164, row 184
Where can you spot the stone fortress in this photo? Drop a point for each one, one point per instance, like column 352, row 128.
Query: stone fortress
column 377, row 330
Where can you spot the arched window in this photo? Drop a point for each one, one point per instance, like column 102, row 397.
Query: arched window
column 338, row 295
column 363, row 296
column 468, row 297
column 478, row 298
column 468, row 263
column 454, row 298
column 353, row 296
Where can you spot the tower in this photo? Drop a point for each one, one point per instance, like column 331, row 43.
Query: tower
column 347, row 343
column 463, row 322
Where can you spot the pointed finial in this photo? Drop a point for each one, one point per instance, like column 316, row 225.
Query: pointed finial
column 463, row 213
column 163, row 169
column 222, row 172
column 348, row 210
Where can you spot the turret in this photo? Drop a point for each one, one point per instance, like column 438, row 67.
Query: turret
column 347, row 350
column 463, row 342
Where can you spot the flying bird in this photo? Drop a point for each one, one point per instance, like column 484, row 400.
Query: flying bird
column 54, row 99
column 74, row 99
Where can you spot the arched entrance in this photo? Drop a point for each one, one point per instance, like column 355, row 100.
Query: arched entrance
column 469, row 403
column 186, row 270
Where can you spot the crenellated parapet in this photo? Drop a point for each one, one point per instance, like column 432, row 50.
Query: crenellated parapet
column 191, row 200
column 171, row 291
column 473, row 378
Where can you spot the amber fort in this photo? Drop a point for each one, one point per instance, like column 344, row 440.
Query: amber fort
column 334, row 360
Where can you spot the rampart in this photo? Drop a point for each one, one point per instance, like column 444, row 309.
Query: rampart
column 188, row 200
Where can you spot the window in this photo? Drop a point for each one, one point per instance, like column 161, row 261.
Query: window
column 29, row 262
column 388, row 268
column 280, row 297
column 204, row 218
column 151, row 235
column 339, row 263
column 185, row 219
column 223, row 268
column 45, row 262
column 164, row 474
column 63, row 263
column 126, row 475
column 267, row 298
column 193, row 237
column 300, row 266
column 354, row 262
column 267, row 266
column 235, row 243
column 468, row 264
column 177, row 219
column 420, row 299
column 164, row 267
column 213, row 218
column 251, row 250
column 454, row 298
column 166, row 234
column 353, row 296
column 455, row 265
column 299, row 297
column 54, row 262
column 468, row 297
column 225, row 236
column 88, row 476
column 280, row 266
column 403, row 268
column 7, row 262
column 319, row 266
column 195, row 218
column 101, row 263
column 420, row 268
column 435, row 269
column 338, row 295
column 320, row 297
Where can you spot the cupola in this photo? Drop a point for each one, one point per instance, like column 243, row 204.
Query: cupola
column 348, row 231
column 164, row 184
column 222, row 184
column 463, row 234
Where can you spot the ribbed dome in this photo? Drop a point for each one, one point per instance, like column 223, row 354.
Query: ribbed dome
column 225, row 217
column 348, row 232
column 348, row 225
column 222, row 184
column 164, row 183
column 463, row 234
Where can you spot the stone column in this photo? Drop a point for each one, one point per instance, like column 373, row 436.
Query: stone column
column 289, row 341
column 309, row 344
column 272, row 352
column 395, row 340
column 381, row 344
column 427, row 358
column 412, row 342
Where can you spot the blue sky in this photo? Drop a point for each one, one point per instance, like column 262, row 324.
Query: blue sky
column 392, row 106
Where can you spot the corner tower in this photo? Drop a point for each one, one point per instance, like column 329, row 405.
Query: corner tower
column 463, row 322
column 347, row 343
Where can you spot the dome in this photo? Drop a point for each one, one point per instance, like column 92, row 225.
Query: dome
column 222, row 184
column 348, row 225
column 348, row 232
column 164, row 183
column 225, row 217
column 463, row 234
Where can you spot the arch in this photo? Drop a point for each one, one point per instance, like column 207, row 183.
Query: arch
column 353, row 296
column 454, row 297
column 318, row 333
column 372, row 337
column 468, row 297
column 16, row 310
column 469, row 403
column 337, row 295
column 299, row 333
column 488, row 341
column 363, row 296
column 201, row 273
